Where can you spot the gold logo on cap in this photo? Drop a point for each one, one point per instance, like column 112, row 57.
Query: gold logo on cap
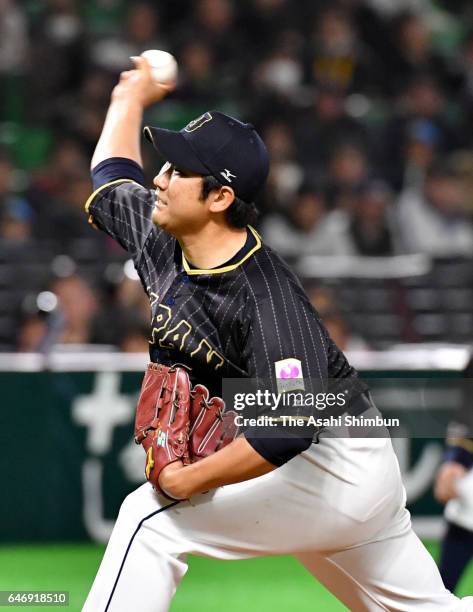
column 195, row 124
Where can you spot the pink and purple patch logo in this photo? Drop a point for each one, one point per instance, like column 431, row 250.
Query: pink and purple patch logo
column 288, row 370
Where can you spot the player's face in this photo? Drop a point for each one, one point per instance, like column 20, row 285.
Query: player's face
column 179, row 208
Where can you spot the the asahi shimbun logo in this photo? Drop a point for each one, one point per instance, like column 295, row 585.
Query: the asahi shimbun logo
column 195, row 124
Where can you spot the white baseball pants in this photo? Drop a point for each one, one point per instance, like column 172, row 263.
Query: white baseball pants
column 339, row 508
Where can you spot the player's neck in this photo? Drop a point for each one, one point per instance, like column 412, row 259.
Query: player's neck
column 213, row 246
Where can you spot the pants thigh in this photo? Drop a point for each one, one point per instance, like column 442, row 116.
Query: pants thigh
column 392, row 574
column 306, row 505
column 300, row 506
column 297, row 507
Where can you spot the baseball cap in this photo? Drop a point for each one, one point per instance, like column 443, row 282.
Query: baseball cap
column 219, row 145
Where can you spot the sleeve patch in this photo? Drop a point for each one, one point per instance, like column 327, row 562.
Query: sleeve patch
column 289, row 374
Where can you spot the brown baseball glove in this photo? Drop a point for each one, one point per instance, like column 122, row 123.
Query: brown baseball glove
column 211, row 427
column 175, row 423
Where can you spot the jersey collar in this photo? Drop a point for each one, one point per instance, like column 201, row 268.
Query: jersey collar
column 225, row 268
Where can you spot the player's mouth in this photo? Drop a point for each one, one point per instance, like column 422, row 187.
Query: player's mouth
column 160, row 203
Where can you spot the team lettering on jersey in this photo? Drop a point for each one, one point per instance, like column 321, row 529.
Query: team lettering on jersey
column 180, row 337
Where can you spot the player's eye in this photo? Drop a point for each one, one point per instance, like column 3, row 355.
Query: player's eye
column 180, row 172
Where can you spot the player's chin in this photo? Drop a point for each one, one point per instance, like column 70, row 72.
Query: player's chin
column 158, row 216
column 161, row 218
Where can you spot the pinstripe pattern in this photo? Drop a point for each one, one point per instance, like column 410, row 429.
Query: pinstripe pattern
column 230, row 324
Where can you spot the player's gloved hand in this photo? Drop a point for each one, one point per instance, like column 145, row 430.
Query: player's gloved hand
column 174, row 424
column 162, row 419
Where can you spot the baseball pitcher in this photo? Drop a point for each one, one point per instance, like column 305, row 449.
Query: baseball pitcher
column 224, row 306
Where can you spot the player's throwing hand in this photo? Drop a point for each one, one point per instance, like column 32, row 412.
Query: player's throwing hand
column 139, row 85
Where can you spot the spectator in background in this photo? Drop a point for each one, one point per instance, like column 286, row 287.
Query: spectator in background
column 340, row 332
column 324, row 299
column 211, row 29
column 338, row 57
column 67, row 161
column 142, row 31
column 216, row 23
column 13, row 38
column 57, row 65
column 307, row 228
column 326, row 303
column 432, row 219
column 13, row 47
column 16, row 221
column 61, row 221
column 413, row 54
column 324, row 128
column 92, row 98
column 371, row 225
column 265, row 17
column 422, row 100
column 277, row 79
column 31, row 332
column 77, row 304
column 280, row 75
column 285, row 173
column 16, row 213
column 348, row 170
column 373, row 32
column 133, row 336
column 129, row 325
column 197, row 70
column 69, row 321
column 57, row 193
column 422, row 148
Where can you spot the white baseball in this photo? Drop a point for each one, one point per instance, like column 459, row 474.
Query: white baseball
column 163, row 66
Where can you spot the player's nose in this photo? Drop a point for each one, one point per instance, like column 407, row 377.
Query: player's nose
column 161, row 181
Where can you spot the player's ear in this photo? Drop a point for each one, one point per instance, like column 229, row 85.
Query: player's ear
column 221, row 199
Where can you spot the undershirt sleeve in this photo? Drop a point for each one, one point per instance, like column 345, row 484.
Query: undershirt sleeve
column 277, row 451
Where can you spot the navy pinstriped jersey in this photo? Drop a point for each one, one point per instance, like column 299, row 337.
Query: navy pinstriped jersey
column 233, row 321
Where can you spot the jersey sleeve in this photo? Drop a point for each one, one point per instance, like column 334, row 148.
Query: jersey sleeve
column 122, row 208
column 286, row 331
column 284, row 340
column 115, row 168
column 459, row 447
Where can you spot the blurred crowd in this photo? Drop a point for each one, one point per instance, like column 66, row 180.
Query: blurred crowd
column 365, row 105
